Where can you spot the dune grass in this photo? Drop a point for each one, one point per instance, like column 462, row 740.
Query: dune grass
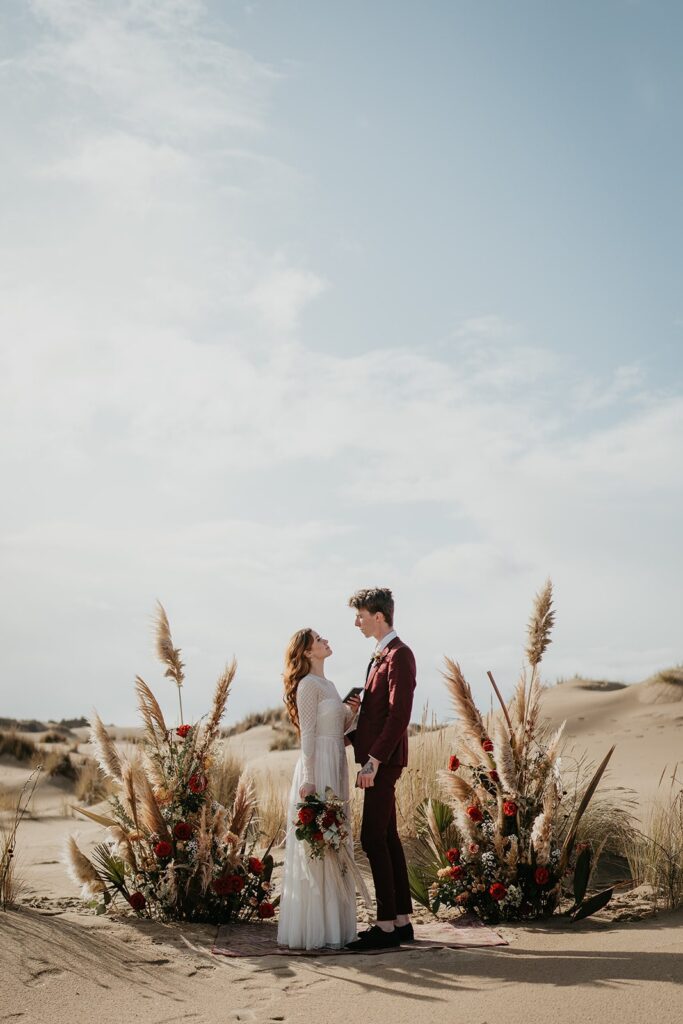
column 16, row 746
column 91, row 786
column 655, row 854
column 10, row 880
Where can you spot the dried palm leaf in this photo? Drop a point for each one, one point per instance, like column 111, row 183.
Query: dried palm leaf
column 81, row 870
column 105, row 749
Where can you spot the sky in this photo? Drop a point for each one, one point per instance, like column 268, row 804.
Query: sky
column 300, row 297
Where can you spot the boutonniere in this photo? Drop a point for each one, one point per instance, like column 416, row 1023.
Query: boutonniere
column 378, row 655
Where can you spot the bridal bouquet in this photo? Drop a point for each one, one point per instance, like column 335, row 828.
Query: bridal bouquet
column 172, row 851
column 321, row 823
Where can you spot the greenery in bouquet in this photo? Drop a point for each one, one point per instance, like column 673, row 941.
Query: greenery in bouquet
column 503, row 846
column 321, row 823
column 172, row 851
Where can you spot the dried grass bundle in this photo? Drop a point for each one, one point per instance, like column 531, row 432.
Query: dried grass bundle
column 105, row 749
column 472, row 725
column 129, row 771
column 150, row 813
column 243, row 807
column 204, row 859
column 540, row 624
column 123, row 847
column 81, row 870
column 152, row 715
column 505, row 759
column 456, row 787
column 220, row 698
column 168, row 654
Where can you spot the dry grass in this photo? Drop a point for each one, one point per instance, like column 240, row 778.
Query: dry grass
column 91, row 786
column 10, row 882
column 271, row 810
column 56, row 765
column 430, row 747
column 54, row 737
column 284, row 739
column 224, row 776
column 14, row 745
column 271, row 716
column 655, row 855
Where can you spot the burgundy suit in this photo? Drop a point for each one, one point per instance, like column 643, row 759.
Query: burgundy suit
column 382, row 732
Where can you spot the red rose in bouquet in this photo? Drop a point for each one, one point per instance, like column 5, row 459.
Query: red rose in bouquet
column 198, row 782
column 453, row 855
column 453, row 763
column 137, row 901
column 265, row 910
column 329, row 818
column 455, row 871
column 255, row 866
column 306, row 815
column 509, row 808
column 494, row 777
column 497, row 891
column 163, row 849
column 487, row 745
column 541, row 876
column 474, row 813
column 182, row 831
column 183, row 730
column 318, row 837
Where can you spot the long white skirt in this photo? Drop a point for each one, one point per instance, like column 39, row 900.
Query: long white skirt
column 318, row 901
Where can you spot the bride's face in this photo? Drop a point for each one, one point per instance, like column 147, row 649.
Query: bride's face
column 319, row 647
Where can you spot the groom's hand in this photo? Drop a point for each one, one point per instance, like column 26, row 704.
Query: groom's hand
column 366, row 776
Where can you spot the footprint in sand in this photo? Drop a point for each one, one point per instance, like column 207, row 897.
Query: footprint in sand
column 40, row 975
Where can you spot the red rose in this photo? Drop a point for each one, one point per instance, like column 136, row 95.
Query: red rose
column 453, row 856
column 494, row 777
column 265, row 910
column 453, row 763
column 183, row 730
column 163, row 849
column 497, row 891
column 455, row 871
column 487, row 745
column 509, row 808
column 474, row 813
column 182, row 831
column 198, row 782
column 306, row 815
column 255, row 865
column 329, row 818
column 137, row 900
column 541, row 876
column 225, row 885
column 318, row 837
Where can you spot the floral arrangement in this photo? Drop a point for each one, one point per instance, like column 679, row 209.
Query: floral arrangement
column 172, row 851
column 513, row 851
column 321, row 823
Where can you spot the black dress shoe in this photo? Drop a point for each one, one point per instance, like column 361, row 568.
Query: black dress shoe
column 375, row 938
column 405, row 932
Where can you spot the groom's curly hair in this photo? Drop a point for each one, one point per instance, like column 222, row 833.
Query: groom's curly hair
column 375, row 599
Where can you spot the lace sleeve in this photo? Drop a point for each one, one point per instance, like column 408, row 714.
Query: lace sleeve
column 350, row 717
column 307, row 705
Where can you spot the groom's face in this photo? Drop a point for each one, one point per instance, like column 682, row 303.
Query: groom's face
column 366, row 622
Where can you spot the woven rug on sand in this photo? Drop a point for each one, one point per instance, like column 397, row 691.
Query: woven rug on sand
column 261, row 940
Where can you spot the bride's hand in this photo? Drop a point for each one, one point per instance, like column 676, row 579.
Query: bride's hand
column 308, row 789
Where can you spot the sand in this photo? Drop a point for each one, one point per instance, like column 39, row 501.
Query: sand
column 58, row 963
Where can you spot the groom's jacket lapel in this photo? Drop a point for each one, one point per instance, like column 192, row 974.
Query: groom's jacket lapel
column 387, row 703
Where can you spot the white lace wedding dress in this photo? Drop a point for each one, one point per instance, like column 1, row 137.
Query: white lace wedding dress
column 318, row 901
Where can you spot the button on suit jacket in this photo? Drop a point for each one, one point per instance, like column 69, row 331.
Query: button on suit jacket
column 382, row 729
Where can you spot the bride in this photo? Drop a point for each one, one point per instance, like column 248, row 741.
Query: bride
column 318, row 902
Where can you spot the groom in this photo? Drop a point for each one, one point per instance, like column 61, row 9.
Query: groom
column 380, row 743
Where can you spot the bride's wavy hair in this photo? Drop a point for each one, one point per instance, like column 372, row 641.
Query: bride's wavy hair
column 297, row 665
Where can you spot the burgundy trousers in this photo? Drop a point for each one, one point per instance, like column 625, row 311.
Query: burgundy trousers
column 382, row 846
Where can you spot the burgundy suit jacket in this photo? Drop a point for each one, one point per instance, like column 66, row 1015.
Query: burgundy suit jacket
column 382, row 729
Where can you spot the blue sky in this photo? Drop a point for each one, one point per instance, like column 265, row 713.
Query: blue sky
column 301, row 297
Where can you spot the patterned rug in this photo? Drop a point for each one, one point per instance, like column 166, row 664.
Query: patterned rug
column 261, row 940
